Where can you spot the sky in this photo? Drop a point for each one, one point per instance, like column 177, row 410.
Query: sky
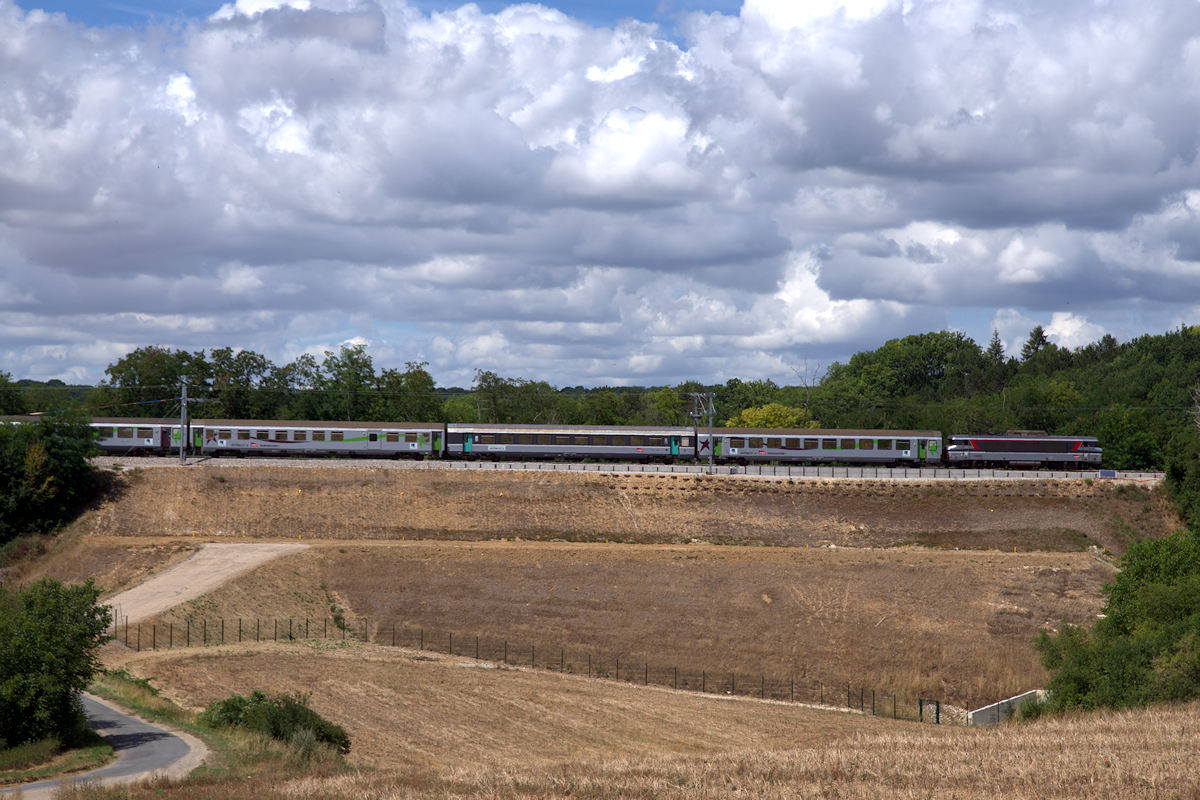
column 592, row 193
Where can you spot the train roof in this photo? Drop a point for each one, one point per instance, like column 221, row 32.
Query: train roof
column 1022, row 437
column 648, row 430
column 830, row 432
column 300, row 423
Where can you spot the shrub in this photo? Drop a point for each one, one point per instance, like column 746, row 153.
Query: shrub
column 1147, row 646
column 49, row 637
column 283, row 717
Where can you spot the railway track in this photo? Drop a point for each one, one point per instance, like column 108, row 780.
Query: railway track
column 753, row 470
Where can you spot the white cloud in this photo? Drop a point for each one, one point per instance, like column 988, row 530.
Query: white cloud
column 525, row 192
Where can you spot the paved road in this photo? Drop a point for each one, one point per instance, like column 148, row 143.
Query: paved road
column 143, row 749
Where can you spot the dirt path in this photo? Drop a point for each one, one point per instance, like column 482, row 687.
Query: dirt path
column 212, row 565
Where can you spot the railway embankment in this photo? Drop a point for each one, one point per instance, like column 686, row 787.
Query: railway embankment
column 276, row 502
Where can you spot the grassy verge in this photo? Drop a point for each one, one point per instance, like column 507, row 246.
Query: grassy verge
column 235, row 755
column 35, row 761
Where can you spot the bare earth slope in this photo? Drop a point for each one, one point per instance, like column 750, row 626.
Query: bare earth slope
column 368, row 503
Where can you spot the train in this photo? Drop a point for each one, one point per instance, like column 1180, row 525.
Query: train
column 627, row 443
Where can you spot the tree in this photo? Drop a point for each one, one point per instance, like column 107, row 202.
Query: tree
column 409, row 396
column 1034, row 344
column 11, row 401
column 236, row 378
column 1146, row 648
column 348, row 377
column 44, row 473
column 771, row 415
column 147, row 381
column 995, row 350
column 49, row 638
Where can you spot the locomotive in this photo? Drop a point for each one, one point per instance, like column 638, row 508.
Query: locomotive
column 667, row 444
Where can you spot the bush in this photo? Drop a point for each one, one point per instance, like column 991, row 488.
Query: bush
column 1147, row 647
column 49, row 637
column 44, row 473
column 286, row 718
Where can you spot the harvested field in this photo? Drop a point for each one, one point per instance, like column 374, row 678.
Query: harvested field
column 407, row 709
column 432, row 727
column 372, row 503
column 952, row 625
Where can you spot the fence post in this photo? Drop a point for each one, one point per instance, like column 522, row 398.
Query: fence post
column 589, row 665
column 872, row 702
column 792, row 689
column 189, row 632
column 506, row 652
column 733, row 683
column 675, row 680
column 239, row 630
column 222, row 630
column 204, row 632
column 365, row 629
column 618, row 670
column 276, row 621
column 257, row 629
column 154, row 636
column 422, row 647
column 646, row 679
column 893, row 706
column 476, row 647
column 450, row 647
column 170, row 635
column 562, row 659
column 762, row 692
column 306, row 627
column 862, row 697
column 393, row 633
column 325, row 627
column 531, row 658
column 703, row 681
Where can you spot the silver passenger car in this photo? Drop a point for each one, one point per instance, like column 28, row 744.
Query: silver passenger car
column 623, row 442
column 267, row 437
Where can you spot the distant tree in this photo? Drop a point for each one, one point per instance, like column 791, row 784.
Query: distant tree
column 771, row 415
column 1034, row 344
column 44, row 473
column 668, row 406
column 995, row 350
column 11, row 401
column 237, row 378
column 147, row 381
column 49, row 638
column 409, row 396
column 348, row 378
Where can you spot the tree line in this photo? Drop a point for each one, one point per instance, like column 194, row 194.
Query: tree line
column 1135, row 396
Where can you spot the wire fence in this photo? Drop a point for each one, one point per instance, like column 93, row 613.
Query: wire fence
column 163, row 636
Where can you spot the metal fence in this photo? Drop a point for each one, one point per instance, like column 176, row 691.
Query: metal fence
column 513, row 653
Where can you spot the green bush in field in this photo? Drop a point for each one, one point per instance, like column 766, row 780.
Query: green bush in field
column 49, row 637
column 282, row 717
column 1146, row 648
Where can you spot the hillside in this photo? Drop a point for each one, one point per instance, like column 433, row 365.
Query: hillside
column 377, row 503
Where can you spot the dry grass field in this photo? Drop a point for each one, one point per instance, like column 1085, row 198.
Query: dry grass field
column 433, row 726
column 929, row 588
column 950, row 625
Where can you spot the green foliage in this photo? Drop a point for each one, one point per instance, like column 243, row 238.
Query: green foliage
column 11, row 401
column 29, row 754
column 1147, row 646
column 772, row 415
column 44, row 473
column 49, row 637
column 286, row 718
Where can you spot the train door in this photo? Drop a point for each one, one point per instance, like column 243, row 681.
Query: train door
column 468, row 441
column 165, row 434
column 920, row 449
column 674, row 445
column 374, row 440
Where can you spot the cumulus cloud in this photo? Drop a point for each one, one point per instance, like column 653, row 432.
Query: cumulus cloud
column 525, row 192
